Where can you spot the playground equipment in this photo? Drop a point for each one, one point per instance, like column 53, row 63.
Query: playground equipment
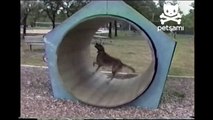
column 72, row 74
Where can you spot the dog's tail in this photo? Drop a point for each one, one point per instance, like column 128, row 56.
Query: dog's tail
column 131, row 68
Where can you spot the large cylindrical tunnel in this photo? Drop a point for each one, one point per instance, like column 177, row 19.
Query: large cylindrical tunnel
column 79, row 76
column 71, row 70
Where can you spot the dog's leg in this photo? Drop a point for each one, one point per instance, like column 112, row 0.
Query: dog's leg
column 113, row 74
column 115, row 69
column 97, row 68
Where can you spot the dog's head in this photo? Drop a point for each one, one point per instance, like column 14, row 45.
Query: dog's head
column 99, row 47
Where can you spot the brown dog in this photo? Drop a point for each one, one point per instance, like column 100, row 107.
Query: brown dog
column 103, row 59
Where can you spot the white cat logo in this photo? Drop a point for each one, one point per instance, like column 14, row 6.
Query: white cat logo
column 170, row 13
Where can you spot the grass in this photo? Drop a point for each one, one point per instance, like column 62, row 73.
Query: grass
column 132, row 50
column 183, row 60
column 32, row 57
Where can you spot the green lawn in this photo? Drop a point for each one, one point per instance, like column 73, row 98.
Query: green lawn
column 132, row 50
column 183, row 60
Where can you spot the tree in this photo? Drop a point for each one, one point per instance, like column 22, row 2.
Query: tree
column 68, row 7
column 35, row 13
column 115, row 25
column 110, row 30
column 26, row 8
column 71, row 6
column 145, row 7
column 188, row 21
column 52, row 8
column 191, row 11
column 161, row 2
column 148, row 9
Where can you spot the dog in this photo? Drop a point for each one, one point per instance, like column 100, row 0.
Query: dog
column 104, row 59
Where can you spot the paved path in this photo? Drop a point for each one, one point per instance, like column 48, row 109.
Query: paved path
column 38, row 31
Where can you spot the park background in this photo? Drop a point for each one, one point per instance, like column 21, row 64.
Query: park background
column 41, row 16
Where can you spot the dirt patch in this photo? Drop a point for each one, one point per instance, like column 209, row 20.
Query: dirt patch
column 37, row 101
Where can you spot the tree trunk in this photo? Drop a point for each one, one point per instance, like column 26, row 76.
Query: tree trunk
column 52, row 18
column 53, row 24
column 153, row 17
column 34, row 23
column 68, row 15
column 115, row 24
column 24, row 26
column 129, row 27
column 35, row 20
column 174, row 34
column 53, row 21
column 110, row 30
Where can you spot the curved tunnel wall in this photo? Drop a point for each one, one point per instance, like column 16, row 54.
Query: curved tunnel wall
column 67, row 48
column 79, row 76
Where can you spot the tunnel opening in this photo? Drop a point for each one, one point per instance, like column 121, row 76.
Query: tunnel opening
column 74, row 61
